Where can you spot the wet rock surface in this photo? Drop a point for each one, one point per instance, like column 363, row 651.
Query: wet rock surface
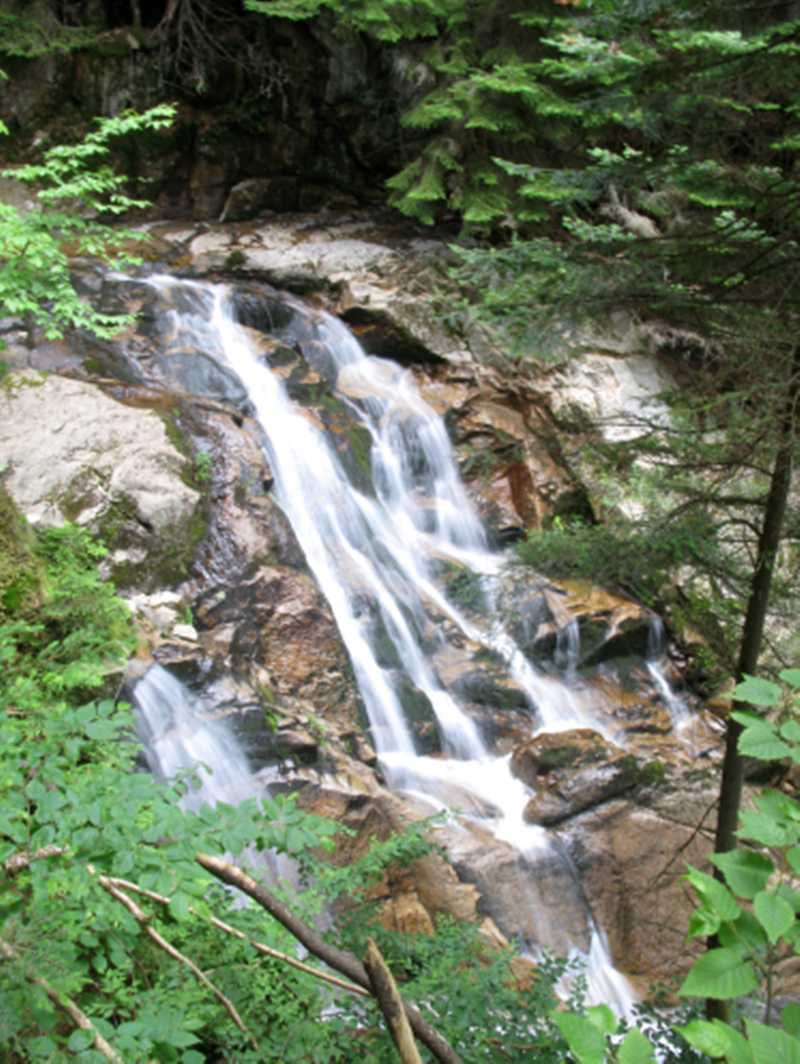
column 630, row 856
column 571, row 771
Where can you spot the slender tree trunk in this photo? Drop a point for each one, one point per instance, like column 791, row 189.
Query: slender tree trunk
column 730, row 794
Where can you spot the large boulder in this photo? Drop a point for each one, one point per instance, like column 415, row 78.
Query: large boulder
column 631, row 856
column 571, row 771
column 72, row 453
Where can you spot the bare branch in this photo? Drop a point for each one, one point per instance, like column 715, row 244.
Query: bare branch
column 68, row 1007
column 143, row 920
column 259, row 946
column 343, row 962
column 388, row 997
column 25, row 858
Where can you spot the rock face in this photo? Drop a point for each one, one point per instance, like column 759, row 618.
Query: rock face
column 304, row 111
column 73, row 453
column 630, row 857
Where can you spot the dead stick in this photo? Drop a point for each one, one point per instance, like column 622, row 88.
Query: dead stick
column 176, row 954
column 25, row 858
column 68, row 1006
column 124, row 884
column 343, row 962
column 80, row 1019
column 388, row 997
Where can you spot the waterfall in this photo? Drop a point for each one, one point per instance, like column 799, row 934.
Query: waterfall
column 374, row 558
column 683, row 721
column 177, row 735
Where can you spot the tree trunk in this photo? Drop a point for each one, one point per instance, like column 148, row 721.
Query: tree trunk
column 730, row 793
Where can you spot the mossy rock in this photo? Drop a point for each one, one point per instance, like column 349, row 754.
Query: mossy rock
column 490, row 685
column 420, row 717
column 21, row 571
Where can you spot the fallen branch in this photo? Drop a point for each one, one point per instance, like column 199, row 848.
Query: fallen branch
column 69, row 1008
column 143, row 920
column 343, row 962
column 388, row 997
column 268, row 951
column 25, row 858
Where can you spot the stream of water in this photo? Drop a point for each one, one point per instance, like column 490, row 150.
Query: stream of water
column 374, row 557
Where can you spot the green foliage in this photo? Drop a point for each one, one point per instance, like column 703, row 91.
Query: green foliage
column 682, row 504
column 20, row 567
column 203, row 462
column 73, row 811
column 32, row 37
column 75, row 188
column 68, row 785
column 638, row 559
column 390, row 20
column 68, row 632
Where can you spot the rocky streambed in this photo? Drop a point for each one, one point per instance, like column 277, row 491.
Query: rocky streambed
column 152, row 441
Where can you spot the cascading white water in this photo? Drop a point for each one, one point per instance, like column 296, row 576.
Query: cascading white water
column 176, row 735
column 371, row 556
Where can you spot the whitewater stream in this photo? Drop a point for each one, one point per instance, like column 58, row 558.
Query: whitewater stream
column 376, row 556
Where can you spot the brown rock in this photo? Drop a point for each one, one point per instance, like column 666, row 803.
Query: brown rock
column 630, row 858
column 561, row 753
column 407, row 915
column 571, row 771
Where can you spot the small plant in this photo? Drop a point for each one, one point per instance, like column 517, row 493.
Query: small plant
column 35, row 280
column 203, row 462
column 234, row 260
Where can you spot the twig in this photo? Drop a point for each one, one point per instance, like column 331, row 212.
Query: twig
column 67, row 1006
column 343, row 962
column 143, row 919
column 388, row 997
column 267, row 950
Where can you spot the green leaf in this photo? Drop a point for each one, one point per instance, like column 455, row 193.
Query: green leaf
column 790, row 1018
column 746, row 936
column 790, row 677
column 706, row 1037
column 746, row 872
column 179, row 906
column 791, row 731
column 763, row 743
column 586, row 1043
column 772, row 1046
column 182, row 1039
column 80, row 1040
column 775, row 915
column 101, row 729
column 704, row 922
column 635, row 1048
column 713, row 894
column 603, row 1018
column 721, row 974
column 757, row 691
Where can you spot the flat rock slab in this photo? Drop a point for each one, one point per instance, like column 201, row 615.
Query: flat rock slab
column 73, row 453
